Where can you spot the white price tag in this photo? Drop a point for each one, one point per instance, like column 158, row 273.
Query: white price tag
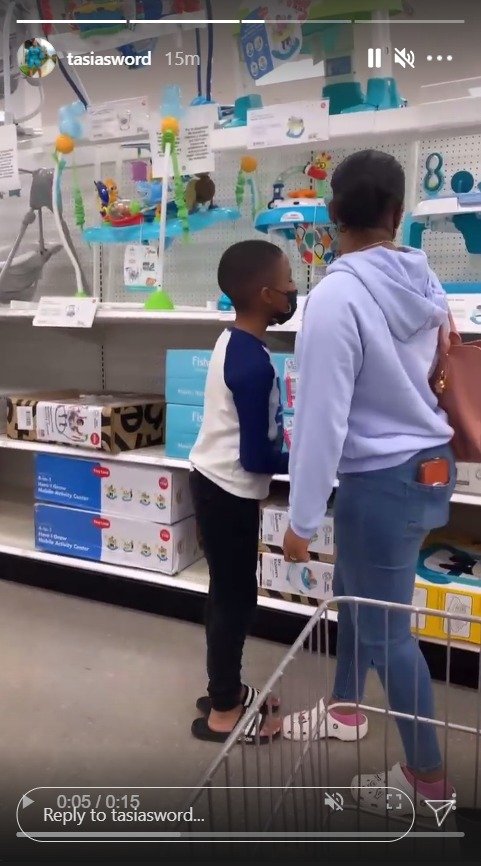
column 292, row 123
column 9, row 179
column 194, row 148
column 65, row 312
column 121, row 118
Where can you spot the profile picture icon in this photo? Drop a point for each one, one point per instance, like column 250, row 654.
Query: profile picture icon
column 36, row 58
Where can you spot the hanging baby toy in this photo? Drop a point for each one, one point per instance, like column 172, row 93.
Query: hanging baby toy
column 70, row 126
column 247, row 177
column 170, row 128
column 301, row 214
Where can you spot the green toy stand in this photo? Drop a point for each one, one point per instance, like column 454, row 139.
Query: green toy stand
column 158, row 301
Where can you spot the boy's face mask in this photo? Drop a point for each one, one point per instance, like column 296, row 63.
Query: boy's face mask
column 283, row 316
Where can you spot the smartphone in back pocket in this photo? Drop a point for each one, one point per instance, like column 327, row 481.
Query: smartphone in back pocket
column 434, row 473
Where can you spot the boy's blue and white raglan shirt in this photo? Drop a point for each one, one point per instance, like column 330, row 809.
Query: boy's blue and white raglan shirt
column 239, row 446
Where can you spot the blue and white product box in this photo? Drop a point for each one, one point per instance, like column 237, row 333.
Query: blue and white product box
column 118, row 540
column 185, row 375
column 285, row 368
column 148, row 493
column 288, row 422
column 312, row 579
column 275, row 522
column 183, row 425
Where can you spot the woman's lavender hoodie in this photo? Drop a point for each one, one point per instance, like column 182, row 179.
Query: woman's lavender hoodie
column 367, row 346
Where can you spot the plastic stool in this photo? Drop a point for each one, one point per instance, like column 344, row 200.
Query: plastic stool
column 343, row 96
column 383, row 93
column 241, row 106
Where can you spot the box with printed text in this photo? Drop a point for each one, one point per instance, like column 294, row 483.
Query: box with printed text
column 183, row 426
column 285, row 367
column 275, row 523
column 114, row 539
column 143, row 492
column 104, row 422
column 185, row 376
column 311, row 579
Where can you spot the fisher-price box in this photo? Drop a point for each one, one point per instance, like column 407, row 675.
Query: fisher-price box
column 311, row 579
column 142, row 492
column 275, row 522
column 114, row 539
column 185, row 375
column 285, row 367
column 183, row 425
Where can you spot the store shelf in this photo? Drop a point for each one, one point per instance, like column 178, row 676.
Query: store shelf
column 454, row 116
column 125, row 313
column 152, row 456
column 17, row 539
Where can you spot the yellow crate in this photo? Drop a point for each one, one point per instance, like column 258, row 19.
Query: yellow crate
column 425, row 595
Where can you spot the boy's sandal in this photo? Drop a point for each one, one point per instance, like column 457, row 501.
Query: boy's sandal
column 251, row 734
column 204, row 704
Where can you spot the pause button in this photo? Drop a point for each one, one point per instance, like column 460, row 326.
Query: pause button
column 374, row 58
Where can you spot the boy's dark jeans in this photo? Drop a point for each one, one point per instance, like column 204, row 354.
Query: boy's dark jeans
column 229, row 530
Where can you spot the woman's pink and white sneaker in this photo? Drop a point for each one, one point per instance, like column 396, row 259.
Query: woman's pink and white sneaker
column 319, row 722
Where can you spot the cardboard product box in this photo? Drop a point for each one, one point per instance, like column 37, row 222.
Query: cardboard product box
column 104, row 422
column 275, row 522
column 425, row 595
column 312, row 580
column 456, row 598
column 469, row 478
column 285, row 367
column 185, row 376
column 114, row 539
column 288, row 422
column 182, row 429
column 142, row 492
column 443, row 563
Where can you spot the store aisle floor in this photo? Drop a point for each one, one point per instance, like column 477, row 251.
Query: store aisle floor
column 94, row 694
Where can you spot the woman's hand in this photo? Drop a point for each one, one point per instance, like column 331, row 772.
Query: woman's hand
column 295, row 547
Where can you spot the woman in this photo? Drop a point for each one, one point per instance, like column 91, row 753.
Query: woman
column 364, row 407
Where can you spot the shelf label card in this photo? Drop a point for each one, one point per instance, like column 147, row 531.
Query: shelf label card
column 292, row 123
column 194, row 148
column 53, row 312
column 121, row 118
column 9, row 179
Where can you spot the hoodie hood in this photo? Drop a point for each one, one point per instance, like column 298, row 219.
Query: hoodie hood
column 402, row 284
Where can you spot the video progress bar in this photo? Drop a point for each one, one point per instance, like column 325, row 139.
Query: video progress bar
column 242, row 21
column 331, row 834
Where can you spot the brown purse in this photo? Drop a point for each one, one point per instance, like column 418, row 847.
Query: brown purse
column 456, row 382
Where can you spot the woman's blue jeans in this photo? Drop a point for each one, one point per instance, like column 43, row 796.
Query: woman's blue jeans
column 381, row 519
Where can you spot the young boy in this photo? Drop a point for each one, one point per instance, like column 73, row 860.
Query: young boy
column 238, row 450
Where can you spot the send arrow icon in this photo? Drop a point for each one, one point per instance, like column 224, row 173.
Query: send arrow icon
column 441, row 809
column 26, row 801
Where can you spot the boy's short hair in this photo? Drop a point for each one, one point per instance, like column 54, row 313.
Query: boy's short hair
column 245, row 268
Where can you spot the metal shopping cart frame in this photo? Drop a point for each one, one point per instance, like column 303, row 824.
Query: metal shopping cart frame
column 283, row 791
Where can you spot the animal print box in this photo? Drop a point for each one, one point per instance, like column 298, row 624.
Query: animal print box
column 116, row 540
column 111, row 487
column 104, row 422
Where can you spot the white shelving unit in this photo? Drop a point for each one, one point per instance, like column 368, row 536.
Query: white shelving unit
column 125, row 349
